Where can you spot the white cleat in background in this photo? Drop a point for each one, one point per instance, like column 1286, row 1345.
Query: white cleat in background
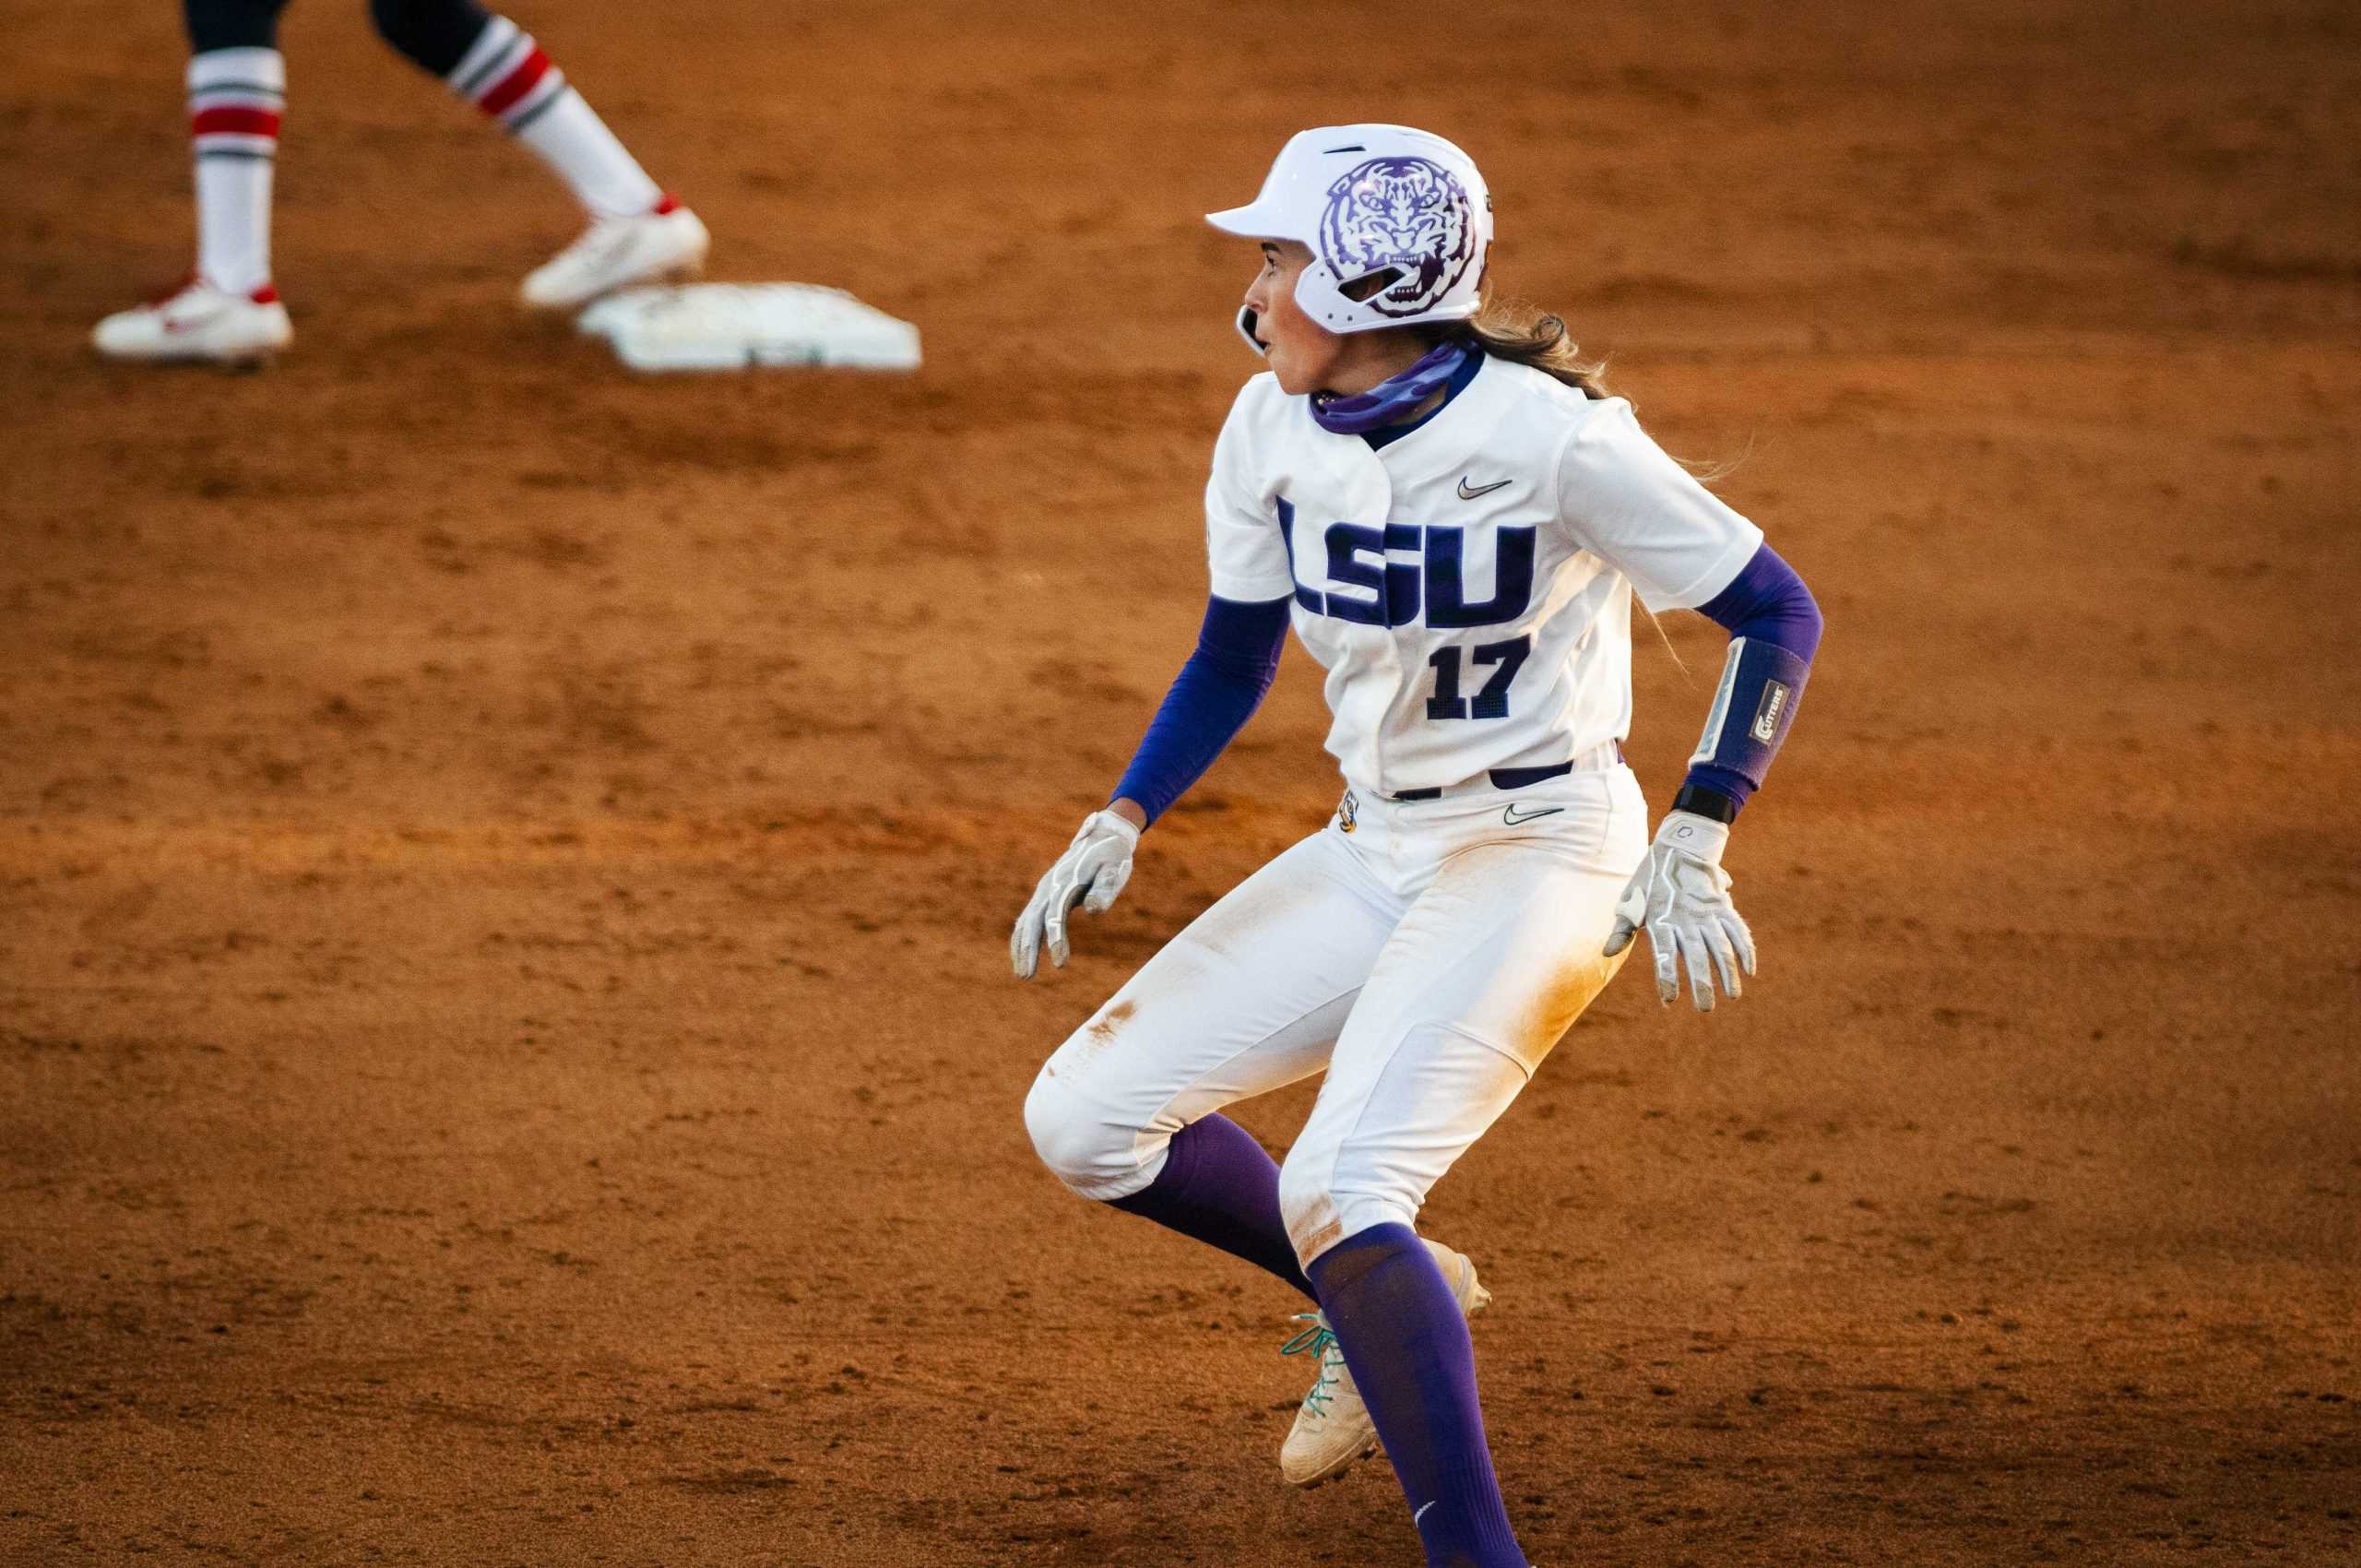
column 615, row 252
column 199, row 324
column 1333, row 1427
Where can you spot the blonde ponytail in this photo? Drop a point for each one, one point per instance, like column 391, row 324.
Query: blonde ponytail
column 1524, row 335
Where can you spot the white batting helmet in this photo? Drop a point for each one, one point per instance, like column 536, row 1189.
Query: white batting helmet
column 1399, row 222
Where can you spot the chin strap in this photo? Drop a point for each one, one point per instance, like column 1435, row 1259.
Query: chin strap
column 1390, row 400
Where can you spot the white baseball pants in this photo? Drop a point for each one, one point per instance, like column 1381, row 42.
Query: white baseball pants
column 1426, row 954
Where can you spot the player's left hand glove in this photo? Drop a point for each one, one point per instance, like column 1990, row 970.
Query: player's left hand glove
column 1091, row 871
column 1681, row 894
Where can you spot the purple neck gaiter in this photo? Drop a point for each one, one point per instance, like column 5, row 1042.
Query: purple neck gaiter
column 1386, row 402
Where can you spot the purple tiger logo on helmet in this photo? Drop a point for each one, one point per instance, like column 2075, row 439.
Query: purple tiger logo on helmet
column 1407, row 213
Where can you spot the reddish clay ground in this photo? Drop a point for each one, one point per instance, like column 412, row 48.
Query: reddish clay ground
column 506, row 1045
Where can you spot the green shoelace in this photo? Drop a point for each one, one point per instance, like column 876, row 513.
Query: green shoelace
column 1317, row 1342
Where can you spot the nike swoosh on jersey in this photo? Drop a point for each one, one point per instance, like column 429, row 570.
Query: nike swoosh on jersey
column 1468, row 494
column 1511, row 817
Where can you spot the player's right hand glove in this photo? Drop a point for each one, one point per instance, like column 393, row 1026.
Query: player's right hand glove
column 1091, row 871
column 1681, row 894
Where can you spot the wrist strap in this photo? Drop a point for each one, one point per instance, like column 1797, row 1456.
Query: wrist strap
column 1712, row 804
column 1700, row 838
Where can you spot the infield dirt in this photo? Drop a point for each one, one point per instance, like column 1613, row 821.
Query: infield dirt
column 507, row 1048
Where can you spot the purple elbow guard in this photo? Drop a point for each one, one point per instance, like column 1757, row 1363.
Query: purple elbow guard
column 1754, row 707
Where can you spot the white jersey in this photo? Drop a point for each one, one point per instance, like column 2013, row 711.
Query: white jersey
column 1467, row 586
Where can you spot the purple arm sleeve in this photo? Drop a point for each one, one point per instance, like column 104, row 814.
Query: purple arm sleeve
column 1767, row 605
column 1217, row 691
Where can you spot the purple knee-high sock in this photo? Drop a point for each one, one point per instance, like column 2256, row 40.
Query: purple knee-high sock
column 1406, row 1343
column 1219, row 1186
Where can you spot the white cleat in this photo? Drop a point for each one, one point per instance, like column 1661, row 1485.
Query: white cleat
column 199, row 324
column 615, row 252
column 1332, row 1425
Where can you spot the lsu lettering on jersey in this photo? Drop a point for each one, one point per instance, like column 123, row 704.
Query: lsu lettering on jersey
column 1467, row 586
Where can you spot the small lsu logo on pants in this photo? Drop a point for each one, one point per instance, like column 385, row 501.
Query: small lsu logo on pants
column 1348, row 812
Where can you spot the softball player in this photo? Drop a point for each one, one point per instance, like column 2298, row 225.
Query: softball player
column 229, row 311
column 1454, row 519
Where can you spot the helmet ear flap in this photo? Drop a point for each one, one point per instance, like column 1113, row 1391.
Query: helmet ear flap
column 1370, row 284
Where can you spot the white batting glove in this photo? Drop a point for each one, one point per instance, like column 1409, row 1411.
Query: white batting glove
column 1091, row 871
column 1681, row 894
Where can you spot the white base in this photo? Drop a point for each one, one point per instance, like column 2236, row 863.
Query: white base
column 738, row 326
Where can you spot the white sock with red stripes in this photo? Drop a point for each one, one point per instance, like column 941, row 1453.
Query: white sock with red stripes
column 235, row 99
column 505, row 74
